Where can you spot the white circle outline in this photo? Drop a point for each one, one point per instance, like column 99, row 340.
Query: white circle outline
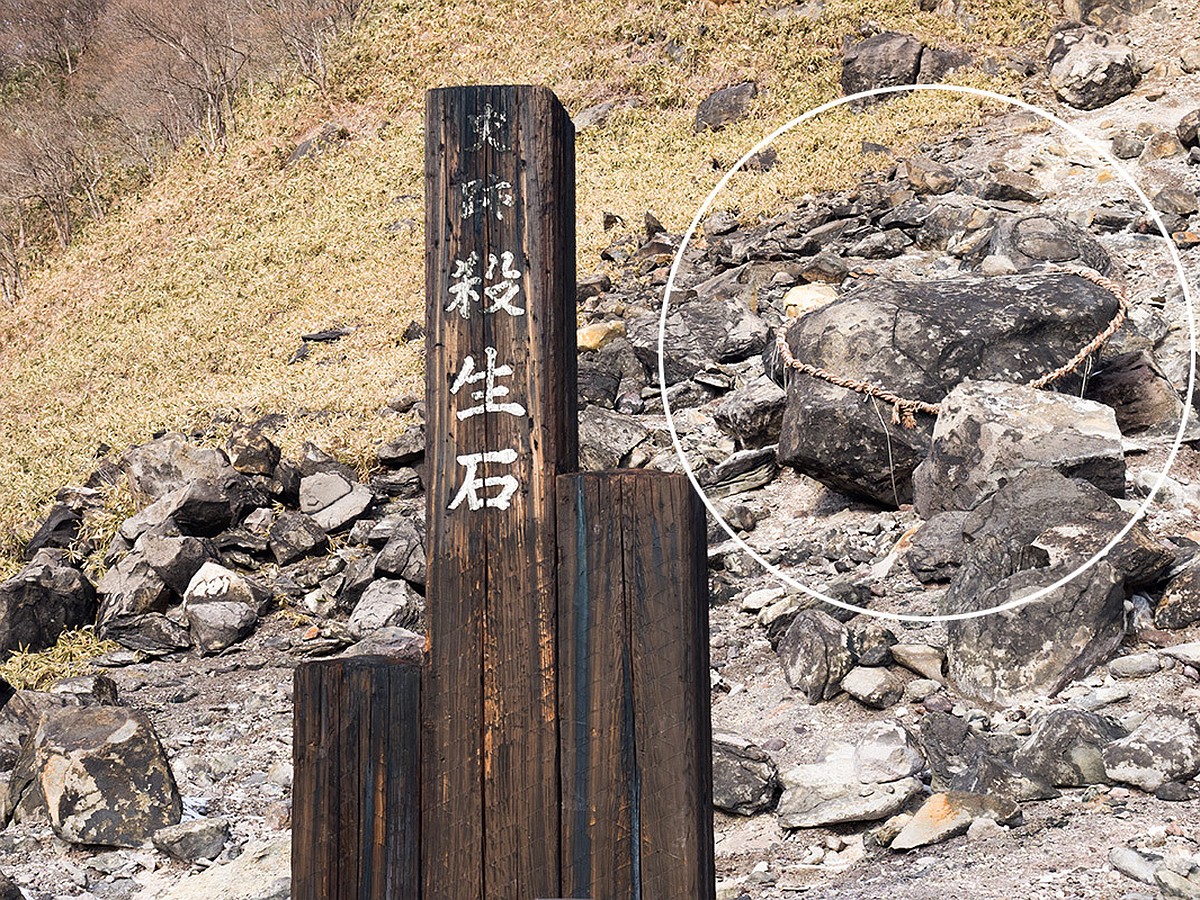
column 1087, row 142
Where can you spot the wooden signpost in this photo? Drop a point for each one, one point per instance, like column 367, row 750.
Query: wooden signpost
column 564, row 703
column 500, row 356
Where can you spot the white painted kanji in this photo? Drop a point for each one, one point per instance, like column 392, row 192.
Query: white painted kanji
column 491, row 129
column 501, row 292
column 500, row 284
column 473, row 484
column 463, row 284
column 479, row 196
column 491, row 393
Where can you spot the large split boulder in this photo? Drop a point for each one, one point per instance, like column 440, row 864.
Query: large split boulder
column 41, row 601
column 919, row 340
column 988, row 431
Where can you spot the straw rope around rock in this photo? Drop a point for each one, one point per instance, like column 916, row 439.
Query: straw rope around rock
column 904, row 409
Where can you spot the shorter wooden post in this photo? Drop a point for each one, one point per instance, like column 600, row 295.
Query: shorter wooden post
column 635, row 733
column 356, row 788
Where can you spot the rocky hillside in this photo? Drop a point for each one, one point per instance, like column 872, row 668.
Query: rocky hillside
column 188, row 305
column 860, row 377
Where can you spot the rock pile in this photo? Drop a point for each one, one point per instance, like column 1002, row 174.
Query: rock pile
column 951, row 277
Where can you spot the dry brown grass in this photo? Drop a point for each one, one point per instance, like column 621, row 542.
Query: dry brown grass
column 68, row 658
column 187, row 301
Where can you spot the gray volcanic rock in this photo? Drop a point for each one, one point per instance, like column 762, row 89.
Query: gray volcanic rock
column 131, row 588
column 174, row 559
column 1036, row 648
column 884, row 752
column 404, row 554
column 724, row 106
column 1164, row 748
column 815, row 653
column 989, row 431
column 1034, row 240
column 753, row 413
column 1188, row 129
column 251, row 452
column 605, row 437
column 1033, row 650
column 936, row 548
column 386, row 602
column 197, row 839
column 104, row 776
column 293, row 535
column 1044, row 518
column 874, row 687
column 830, row 792
column 41, row 601
column 705, row 327
column 882, row 60
column 1091, row 68
column 745, row 780
column 57, row 532
column 170, row 462
column 919, row 340
column 1136, row 388
column 1066, row 748
column 221, row 607
column 1180, row 603
column 405, row 449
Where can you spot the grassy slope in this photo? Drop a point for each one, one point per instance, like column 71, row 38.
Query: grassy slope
column 185, row 304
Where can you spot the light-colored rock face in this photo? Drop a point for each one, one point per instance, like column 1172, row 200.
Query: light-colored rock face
column 988, row 432
column 831, row 791
column 104, row 776
column 874, row 687
column 949, row 814
column 221, row 607
column 262, row 872
column 385, row 603
column 886, row 752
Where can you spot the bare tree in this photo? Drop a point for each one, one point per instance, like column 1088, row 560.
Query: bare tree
column 14, row 237
column 48, row 33
column 304, row 29
column 205, row 61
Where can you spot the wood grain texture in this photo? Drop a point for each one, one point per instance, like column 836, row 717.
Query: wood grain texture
column 633, row 688
column 356, row 789
column 491, row 807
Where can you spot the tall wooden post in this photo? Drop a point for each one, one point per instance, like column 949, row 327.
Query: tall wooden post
column 500, row 370
column 634, row 688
